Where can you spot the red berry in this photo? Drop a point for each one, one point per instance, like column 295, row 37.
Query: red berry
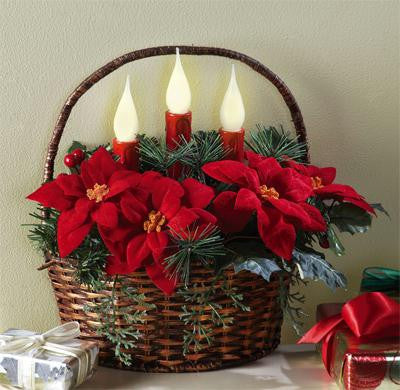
column 78, row 155
column 69, row 161
column 324, row 243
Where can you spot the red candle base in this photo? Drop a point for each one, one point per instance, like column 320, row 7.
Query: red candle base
column 176, row 126
column 128, row 153
column 233, row 142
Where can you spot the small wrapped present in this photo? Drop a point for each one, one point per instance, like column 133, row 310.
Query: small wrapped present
column 360, row 365
column 360, row 341
column 55, row 360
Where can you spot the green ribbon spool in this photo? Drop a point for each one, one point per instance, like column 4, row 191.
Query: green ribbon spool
column 386, row 280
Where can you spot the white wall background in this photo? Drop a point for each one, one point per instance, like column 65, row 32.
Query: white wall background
column 340, row 58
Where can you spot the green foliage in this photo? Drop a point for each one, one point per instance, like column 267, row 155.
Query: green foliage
column 271, row 142
column 312, row 265
column 44, row 233
column 334, row 242
column 202, row 245
column 350, row 218
column 379, row 207
column 154, row 154
column 91, row 255
column 122, row 337
column 259, row 266
column 291, row 301
column 204, row 147
column 201, row 301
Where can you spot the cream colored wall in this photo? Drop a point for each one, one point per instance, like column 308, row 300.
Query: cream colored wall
column 340, row 58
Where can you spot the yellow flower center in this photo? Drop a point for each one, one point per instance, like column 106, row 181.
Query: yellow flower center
column 98, row 192
column 316, row 182
column 155, row 222
column 268, row 192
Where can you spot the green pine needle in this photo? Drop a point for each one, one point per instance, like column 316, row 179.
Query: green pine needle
column 204, row 246
column 271, row 142
column 204, row 147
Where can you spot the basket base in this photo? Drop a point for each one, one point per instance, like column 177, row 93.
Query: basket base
column 190, row 366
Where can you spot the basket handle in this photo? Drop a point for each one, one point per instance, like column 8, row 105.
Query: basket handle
column 102, row 72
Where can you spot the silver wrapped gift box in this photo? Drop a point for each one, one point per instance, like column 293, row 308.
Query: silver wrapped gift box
column 55, row 360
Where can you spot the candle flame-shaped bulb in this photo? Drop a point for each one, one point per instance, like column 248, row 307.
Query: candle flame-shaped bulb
column 232, row 109
column 178, row 92
column 126, row 123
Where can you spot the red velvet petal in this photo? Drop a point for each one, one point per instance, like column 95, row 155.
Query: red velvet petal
column 137, row 251
column 158, row 242
column 51, row 195
column 121, row 233
column 149, row 180
column 72, row 229
column 266, row 168
column 106, row 214
column 116, row 266
column 101, row 166
column 197, row 194
column 182, row 220
column 133, row 209
column 278, row 235
column 291, row 185
column 166, row 196
column 327, row 175
column 204, row 216
column 121, row 181
column 71, row 185
column 299, row 214
column 161, row 279
column 333, row 191
column 360, row 203
column 247, row 200
column 316, row 222
column 253, row 158
column 229, row 219
column 232, row 172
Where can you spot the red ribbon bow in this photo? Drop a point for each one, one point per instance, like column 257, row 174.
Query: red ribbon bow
column 370, row 316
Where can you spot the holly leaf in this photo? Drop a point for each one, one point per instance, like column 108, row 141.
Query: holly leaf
column 258, row 265
column 76, row 145
column 312, row 265
column 334, row 243
column 379, row 207
column 350, row 218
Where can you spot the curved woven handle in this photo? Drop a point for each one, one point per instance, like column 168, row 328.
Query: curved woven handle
column 159, row 51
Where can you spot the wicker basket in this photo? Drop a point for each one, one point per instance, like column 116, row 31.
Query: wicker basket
column 251, row 335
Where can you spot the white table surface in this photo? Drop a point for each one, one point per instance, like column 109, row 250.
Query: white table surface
column 288, row 368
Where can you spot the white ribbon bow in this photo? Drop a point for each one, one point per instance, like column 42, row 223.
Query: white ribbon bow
column 51, row 341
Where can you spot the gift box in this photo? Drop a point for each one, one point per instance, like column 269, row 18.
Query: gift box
column 360, row 365
column 55, row 360
column 359, row 341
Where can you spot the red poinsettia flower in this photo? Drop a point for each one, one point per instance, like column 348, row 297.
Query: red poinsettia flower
column 86, row 199
column 278, row 195
column 323, row 186
column 172, row 208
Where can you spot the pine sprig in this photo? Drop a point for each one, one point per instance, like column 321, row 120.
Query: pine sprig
column 154, row 154
column 193, row 244
column 204, row 147
column 271, row 142
column 91, row 255
column 123, row 338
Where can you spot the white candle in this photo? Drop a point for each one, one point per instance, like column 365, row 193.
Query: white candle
column 232, row 112
column 178, row 96
column 126, row 123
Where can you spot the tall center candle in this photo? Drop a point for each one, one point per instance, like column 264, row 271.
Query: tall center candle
column 178, row 118
column 126, row 144
column 232, row 116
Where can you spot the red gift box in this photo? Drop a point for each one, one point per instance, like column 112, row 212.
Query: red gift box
column 360, row 343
